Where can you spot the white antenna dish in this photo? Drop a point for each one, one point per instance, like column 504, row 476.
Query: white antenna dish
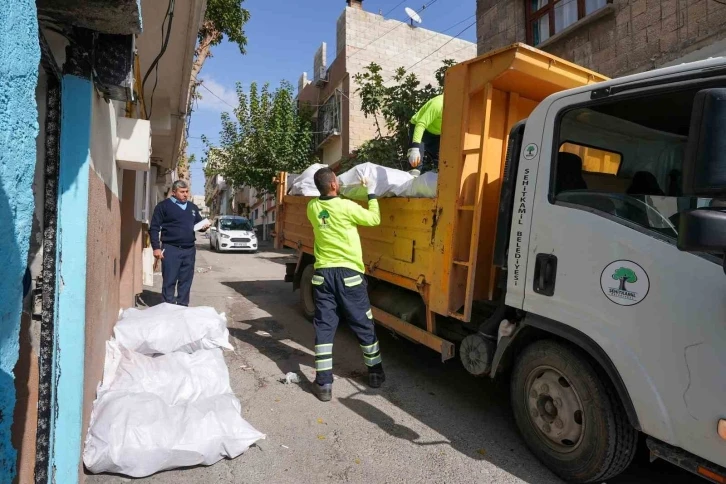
column 413, row 15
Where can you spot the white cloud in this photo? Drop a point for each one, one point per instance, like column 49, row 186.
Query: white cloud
column 222, row 100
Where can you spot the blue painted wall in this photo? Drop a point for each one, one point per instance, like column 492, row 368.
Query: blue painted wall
column 19, row 57
column 70, row 313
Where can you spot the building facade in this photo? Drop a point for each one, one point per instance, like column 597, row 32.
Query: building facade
column 612, row 37
column 79, row 174
column 362, row 38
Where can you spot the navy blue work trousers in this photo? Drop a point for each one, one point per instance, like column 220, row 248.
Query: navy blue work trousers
column 342, row 292
column 177, row 273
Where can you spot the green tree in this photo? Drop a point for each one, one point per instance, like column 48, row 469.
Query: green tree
column 222, row 18
column 324, row 216
column 267, row 134
column 392, row 107
column 625, row 275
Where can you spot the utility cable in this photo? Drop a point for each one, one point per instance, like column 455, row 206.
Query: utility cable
column 394, row 8
column 155, row 64
column 427, row 5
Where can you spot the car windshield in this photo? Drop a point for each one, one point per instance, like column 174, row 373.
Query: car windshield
column 235, row 224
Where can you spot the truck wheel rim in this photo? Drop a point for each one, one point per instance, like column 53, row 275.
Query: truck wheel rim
column 555, row 409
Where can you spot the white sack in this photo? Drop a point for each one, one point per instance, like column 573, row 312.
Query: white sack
column 138, row 434
column 384, row 180
column 423, row 186
column 176, row 378
column 304, row 183
column 166, row 328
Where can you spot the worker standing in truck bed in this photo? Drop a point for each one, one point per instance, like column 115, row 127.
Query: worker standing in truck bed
column 339, row 281
column 426, row 134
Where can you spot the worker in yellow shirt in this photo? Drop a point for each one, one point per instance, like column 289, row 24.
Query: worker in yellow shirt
column 426, row 134
column 339, row 281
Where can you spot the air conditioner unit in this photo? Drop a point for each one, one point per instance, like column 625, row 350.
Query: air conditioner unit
column 322, row 77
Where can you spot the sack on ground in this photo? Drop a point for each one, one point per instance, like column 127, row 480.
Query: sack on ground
column 167, row 328
column 176, row 378
column 139, row 434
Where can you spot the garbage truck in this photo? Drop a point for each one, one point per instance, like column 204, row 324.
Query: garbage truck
column 574, row 246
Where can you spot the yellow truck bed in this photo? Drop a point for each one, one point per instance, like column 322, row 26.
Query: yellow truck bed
column 443, row 247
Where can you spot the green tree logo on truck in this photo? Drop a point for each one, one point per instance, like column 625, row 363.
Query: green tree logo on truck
column 324, row 216
column 624, row 275
column 624, row 282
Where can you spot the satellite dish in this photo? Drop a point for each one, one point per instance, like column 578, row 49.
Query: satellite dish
column 413, row 16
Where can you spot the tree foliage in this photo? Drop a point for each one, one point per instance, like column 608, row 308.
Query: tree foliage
column 221, row 18
column 392, row 107
column 267, row 134
column 224, row 18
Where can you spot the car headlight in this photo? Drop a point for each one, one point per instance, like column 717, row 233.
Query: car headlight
column 253, row 236
column 224, row 236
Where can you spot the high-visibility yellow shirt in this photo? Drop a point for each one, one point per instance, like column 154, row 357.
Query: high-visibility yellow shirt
column 335, row 225
column 428, row 118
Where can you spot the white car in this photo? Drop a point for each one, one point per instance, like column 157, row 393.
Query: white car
column 232, row 232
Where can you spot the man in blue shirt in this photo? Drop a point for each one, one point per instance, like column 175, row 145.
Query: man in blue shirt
column 172, row 238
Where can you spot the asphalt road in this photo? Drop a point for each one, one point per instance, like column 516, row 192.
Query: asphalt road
column 431, row 422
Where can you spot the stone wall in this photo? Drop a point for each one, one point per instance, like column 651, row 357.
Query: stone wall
column 627, row 37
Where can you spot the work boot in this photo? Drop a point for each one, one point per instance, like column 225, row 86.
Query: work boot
column 376, row 378
column 323, row 392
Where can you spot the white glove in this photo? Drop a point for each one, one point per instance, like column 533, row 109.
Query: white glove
column 414, row 157
column 368, row 184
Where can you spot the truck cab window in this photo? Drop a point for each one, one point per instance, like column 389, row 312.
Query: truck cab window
column 623, row 160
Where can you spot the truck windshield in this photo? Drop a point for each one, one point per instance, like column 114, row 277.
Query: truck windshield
column 625, row 159
column 235, row 224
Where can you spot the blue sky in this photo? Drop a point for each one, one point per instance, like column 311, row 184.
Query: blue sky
column 283, row 36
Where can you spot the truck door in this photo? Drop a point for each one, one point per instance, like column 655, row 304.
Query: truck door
column 602, row 257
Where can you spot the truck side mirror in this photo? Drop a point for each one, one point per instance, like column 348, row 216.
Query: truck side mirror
column 702, row 230
column 704, row 166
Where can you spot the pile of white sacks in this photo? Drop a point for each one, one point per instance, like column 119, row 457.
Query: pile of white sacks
column 387, row 182
column 165, row 400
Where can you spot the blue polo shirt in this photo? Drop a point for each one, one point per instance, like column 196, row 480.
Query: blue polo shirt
column 173, row 224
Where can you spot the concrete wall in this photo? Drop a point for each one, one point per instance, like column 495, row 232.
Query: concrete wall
column 130, row 266
column 70, row 317
column 629, row 36
column 19, row 58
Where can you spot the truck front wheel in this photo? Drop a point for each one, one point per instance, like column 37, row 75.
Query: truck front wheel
column 307, row 299
column 569, row 417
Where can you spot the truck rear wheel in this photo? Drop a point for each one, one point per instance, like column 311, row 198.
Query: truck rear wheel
column 307, row 299
column 569, row 417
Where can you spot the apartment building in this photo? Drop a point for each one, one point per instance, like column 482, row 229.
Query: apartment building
column 364, row 37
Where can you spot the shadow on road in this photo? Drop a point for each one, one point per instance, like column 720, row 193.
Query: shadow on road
column 287, row 358
column 472, row 415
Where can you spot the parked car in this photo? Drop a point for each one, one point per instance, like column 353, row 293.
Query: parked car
column 232, row 232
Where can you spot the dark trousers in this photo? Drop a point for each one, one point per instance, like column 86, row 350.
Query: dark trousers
column 342, row 292
column 177, row 273
column 429, row 149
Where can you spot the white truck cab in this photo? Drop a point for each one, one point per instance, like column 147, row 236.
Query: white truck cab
column 603, row 181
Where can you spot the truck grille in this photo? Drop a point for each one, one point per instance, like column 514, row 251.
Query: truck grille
column 240, row 240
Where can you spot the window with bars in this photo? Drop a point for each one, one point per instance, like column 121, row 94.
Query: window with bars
column 546, row 18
